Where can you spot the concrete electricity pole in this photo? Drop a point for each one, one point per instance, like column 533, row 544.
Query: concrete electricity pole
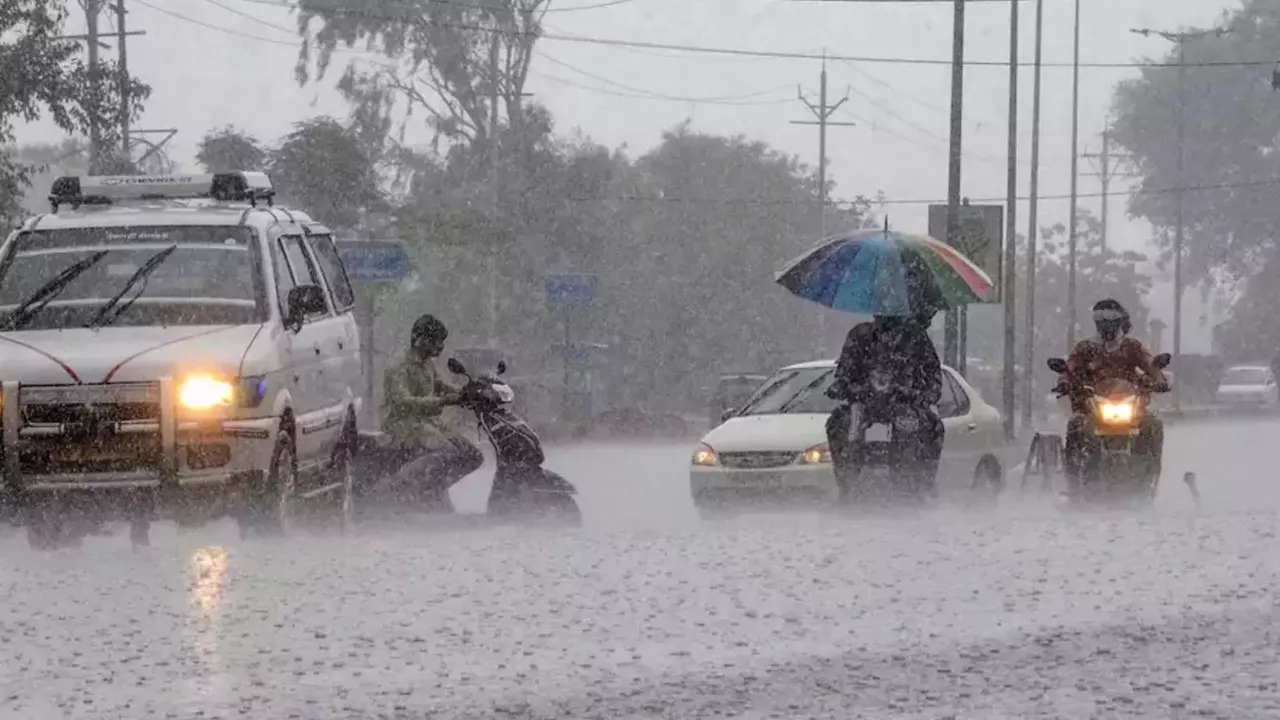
column 823, row 112
column 1075, row 173
column 1010, row 289
column 1106, row 171
column 1180, row 38
column 122, row 60
column 92, row 8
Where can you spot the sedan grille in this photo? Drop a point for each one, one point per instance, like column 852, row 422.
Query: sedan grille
column 757, row 460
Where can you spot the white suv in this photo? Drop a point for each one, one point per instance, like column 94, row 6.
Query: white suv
column 174, row 344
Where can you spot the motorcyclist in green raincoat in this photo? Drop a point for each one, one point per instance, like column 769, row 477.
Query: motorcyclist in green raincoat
column 414, row 400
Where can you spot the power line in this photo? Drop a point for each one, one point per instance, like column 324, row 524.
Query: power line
column 745, row 99
column 742, row 52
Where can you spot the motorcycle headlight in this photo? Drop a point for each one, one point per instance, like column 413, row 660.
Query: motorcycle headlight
column 1116, row 412
column 816, row 455
column 203, row 392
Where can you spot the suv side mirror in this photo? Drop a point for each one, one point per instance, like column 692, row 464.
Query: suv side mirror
column 1162, row 360
column 456, row 367
column 302, row 301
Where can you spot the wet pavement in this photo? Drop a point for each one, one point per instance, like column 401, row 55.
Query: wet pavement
column 649, row 612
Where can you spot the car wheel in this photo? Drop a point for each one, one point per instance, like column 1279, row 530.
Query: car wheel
column 343, row 472
column 271, row 507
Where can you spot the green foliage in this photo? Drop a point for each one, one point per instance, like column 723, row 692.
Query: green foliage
column 324, row 168
column 229, row 150
column 41, row 75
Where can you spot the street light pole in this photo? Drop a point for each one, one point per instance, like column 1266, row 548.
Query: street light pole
column 951, row 330
column 1075, row 173
column 1033, row 232
column 1010, row 289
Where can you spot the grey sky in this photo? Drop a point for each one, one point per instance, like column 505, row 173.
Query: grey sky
column 204, row 78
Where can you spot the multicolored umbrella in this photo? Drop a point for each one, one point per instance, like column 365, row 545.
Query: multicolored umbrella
column 884, row 272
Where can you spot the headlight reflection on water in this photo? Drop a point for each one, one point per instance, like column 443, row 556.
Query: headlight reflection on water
column 208, row 568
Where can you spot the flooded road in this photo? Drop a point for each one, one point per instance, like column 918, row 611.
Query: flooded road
column 649, row 612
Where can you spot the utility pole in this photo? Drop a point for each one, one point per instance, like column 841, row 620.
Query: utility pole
column 1033, row 232
column 1010, row 288
column 951, row 331
column 1075, row 172
column 1106, row 172
column 92, row 8
column 823, row 112
column 1180, row 38
column 122, row 59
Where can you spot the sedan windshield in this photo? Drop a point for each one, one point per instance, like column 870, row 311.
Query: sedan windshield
column 793, row 392
column 210, row 277
column 1245, row 376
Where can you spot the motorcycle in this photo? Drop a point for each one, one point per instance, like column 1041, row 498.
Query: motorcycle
column 1114, row 468
column 521, row 485
column 878, row 432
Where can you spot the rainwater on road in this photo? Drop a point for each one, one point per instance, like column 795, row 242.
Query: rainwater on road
column 649, row 612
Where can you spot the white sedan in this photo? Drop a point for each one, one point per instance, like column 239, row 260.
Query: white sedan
column 1247, row 385
column 776, row 445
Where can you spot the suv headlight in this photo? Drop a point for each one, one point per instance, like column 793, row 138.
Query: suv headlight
column 203, row 392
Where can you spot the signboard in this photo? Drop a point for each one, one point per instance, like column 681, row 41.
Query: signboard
column 374, row 260
column 571, row 289
column 981, row 237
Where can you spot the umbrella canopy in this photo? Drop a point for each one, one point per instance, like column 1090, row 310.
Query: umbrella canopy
column 883, row 272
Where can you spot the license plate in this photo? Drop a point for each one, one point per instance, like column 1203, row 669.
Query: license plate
column 878, row 433
column 759, row 480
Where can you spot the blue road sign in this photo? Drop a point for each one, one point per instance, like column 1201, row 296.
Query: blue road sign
column 571, row 289
column 374, row 260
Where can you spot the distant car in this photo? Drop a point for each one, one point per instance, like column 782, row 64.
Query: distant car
column 776, row 445
column 1252, row 385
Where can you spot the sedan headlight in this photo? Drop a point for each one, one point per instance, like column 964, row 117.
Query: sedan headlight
column 202, row 392
column 705, row 456
column 816, row 455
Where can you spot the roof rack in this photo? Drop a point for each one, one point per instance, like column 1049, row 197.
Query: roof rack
column 75, row 190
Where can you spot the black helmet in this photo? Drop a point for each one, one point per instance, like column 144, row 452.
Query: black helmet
column 1111, row 319
column 426, row 329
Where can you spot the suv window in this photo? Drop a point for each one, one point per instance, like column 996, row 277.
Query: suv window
column 330, row 262
column 300, row 265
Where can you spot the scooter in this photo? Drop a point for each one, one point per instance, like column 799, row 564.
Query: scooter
column 1114, row 469
column 521, row 485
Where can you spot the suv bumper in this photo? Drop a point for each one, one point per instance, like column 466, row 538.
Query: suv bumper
column 149, row 446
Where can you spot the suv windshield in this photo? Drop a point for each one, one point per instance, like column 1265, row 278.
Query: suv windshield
column 212, row 277
column 793, row 392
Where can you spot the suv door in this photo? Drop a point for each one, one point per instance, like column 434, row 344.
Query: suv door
column 313, row 400
column 342, row 346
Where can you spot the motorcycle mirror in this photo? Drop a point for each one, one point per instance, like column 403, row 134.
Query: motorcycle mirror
column 456, row 367
column 1057, row 365
column 1162, row 360
column 502, row 367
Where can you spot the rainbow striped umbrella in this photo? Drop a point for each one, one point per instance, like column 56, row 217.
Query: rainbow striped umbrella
column 884, row 272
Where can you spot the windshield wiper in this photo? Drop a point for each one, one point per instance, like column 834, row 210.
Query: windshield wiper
column 140, row 275
column 28, row 308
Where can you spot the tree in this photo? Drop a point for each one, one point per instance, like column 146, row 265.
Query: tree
column 1231, row 115
column 322, row 166
column 230, row 150
column 42, row 74
column 444, row 55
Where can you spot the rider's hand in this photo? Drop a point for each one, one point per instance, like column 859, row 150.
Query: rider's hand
column 451, row 397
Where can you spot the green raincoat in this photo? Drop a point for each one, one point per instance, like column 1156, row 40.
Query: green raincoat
column 412, row 406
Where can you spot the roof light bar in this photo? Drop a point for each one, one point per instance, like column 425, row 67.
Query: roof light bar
column 108, row 189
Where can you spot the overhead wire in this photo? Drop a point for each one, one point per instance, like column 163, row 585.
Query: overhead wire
column 776, row 54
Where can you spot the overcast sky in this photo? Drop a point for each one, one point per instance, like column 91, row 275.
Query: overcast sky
column 242, row 74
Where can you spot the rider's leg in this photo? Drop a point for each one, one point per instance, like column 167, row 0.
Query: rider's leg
column 841, row 449
column 1074, row 450
column 1151, row 441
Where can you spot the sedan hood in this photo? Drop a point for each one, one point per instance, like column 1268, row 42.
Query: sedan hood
column 794, row 432
column 120, row 354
